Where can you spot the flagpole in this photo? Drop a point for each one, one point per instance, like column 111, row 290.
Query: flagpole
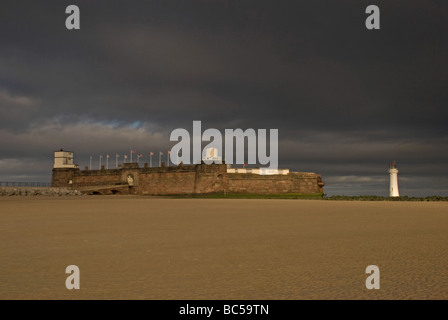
column 131, row 156
column 107, row 162
column 160, row 159
column 150, row 160
column 168, row 158
column 90, row 163
column 100, row 162
column 116, row 161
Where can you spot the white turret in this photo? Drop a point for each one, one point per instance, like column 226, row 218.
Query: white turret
column 393, row 171
column 211, row 155
column 63, row 159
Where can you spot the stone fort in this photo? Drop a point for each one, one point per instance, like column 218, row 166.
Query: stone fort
column 130, row 178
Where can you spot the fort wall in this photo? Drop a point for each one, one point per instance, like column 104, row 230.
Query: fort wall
column 306, row 183
column 193, row 179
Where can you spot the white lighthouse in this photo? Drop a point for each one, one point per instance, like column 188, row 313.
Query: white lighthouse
column 393, row 171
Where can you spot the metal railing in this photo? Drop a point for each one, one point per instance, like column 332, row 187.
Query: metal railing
column 25, row 184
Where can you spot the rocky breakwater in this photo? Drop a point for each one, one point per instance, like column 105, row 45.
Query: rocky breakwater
column 36, row 191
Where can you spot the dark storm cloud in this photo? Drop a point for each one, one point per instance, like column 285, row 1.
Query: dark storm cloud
column 346, row 100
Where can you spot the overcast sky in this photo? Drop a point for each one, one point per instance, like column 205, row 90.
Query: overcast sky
column 346, row 100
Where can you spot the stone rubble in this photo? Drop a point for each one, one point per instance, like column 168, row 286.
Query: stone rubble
column 31, row 191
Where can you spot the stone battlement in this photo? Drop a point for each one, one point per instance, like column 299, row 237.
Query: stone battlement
column 191, row 179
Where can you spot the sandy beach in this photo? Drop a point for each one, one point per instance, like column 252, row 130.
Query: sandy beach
column 158, row 248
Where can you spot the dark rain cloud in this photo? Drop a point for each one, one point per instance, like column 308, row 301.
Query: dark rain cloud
column 346, row 100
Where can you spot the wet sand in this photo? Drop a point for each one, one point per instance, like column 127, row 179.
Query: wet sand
column 152, row 248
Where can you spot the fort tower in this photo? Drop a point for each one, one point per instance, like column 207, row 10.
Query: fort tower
column 63, row 159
